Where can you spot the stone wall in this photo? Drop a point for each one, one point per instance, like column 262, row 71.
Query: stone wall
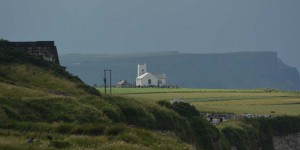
column 289, row 142
column 45, row 49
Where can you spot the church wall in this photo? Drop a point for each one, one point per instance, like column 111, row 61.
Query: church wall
column 163, row 81
column 142, row 68
column 144, row 81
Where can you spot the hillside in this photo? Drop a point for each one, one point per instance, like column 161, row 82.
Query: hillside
column 42, row 106
column 24, row 75
column 240, row 70
column 40, row 100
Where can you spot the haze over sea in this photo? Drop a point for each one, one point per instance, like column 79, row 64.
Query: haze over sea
column 118, row 26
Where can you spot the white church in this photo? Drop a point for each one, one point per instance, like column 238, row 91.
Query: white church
column 145, row 78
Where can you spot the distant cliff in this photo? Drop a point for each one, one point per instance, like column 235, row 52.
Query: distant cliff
column 226, row 70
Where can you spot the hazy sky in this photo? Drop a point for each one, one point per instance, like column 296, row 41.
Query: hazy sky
column 194, row 26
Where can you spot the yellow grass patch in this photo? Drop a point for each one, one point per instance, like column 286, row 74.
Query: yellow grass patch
column 240, row 101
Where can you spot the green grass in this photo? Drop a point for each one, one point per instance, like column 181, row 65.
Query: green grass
column 34, row 81
column 121, row 91
column 38, row 99
column 291, row 110
column 90, row 122
column 44, row 101
column 256, row 101
column 131, row 139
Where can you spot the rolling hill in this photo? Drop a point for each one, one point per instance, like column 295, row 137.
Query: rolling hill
column 42, row 106
column 239, row 70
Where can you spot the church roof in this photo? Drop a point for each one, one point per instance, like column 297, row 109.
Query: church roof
column 143, row 75
column 160, row 76
column 122, row 82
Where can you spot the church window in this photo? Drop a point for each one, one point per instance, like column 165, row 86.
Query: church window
column 149, row 81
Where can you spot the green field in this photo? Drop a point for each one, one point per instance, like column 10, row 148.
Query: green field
column 44, row 107
column 256, row 101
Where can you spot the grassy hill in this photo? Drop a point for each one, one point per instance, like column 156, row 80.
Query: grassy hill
column 254, row 101
column 240, row 70
column 21, row 71
column 42, row 101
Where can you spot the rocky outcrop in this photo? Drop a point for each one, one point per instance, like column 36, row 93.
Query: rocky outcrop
column 44, row 49
column 289, row 142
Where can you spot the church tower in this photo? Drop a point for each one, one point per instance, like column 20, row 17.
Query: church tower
column 142, row 68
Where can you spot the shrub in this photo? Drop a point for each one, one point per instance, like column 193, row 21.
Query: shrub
column 89, row 89
column 89, row 129
column 10, row 113
column 187, row 124
column 115, row 129
column 65, row 128
column 128, row 137
column 285, row 125
column 164, row 119
column 259, row 132
column 183, row 109
column 113, row 113
column 97, row 129
column 205, row 134
column 88, row 114
column 134, row 112
column 60, row 144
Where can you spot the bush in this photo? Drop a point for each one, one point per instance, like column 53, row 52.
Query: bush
column 234, row 137
column 65, row 128
column 187, row 124
column 60, row 144
column 260, row 132
column 10, row 113
column 115, row 129
column 88, row 114
column 128, row 137
column 168, row 120
column 89, row 129
column 89, row 89
column 205, row 134
column 285, row 125
column 183, row 109
column 134, row 112
column 113, row 113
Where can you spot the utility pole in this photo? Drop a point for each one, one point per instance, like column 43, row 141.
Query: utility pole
column 105, row 80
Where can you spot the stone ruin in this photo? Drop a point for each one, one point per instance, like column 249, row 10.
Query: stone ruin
column 45, row 49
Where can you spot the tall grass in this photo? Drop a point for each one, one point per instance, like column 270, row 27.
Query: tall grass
column 264, row 102
column 259, row 133
column 121, row 91
column 41, row 100
column 37, row 80
column 131, row 139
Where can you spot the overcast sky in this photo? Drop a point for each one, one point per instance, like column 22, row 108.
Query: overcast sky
column 121, row 26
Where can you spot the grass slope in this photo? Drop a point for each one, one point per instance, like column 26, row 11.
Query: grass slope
column 257, row 101
column 41, row 100
column 26, row 71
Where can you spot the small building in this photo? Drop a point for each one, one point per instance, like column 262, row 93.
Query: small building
column 123, row 84
column 145, row 79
